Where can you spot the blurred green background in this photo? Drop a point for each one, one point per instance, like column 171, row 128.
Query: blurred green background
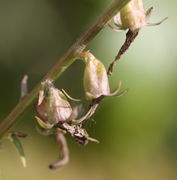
column 137, row 132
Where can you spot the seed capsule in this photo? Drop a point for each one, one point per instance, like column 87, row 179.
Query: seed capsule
column 95, row 78
column 52, row 106
column 133, row 16
column 96, row 83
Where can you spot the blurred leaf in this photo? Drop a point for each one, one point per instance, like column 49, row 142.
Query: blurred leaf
column 15, row 140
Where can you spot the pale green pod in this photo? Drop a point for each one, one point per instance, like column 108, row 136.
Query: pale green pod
column 132, row 16
column 95, row 78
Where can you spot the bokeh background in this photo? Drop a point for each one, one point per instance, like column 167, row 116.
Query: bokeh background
column 137, row 132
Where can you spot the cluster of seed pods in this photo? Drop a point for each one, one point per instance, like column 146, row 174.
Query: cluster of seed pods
column 56, row 116
column 54, row 113
column 54, row 110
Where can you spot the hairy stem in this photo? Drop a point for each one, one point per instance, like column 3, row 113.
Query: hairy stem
column 69, row 57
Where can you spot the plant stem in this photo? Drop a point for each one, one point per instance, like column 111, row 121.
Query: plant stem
column 69, row 57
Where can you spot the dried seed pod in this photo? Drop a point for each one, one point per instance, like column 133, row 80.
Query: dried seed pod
column 95, row 77
column 133, row 16
column 96, row 84
column 52, row 106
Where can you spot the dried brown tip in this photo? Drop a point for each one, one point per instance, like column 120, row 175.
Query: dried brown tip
column 130, row 37
column 148, row 13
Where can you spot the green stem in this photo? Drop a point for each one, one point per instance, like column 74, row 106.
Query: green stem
column 64, row 62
